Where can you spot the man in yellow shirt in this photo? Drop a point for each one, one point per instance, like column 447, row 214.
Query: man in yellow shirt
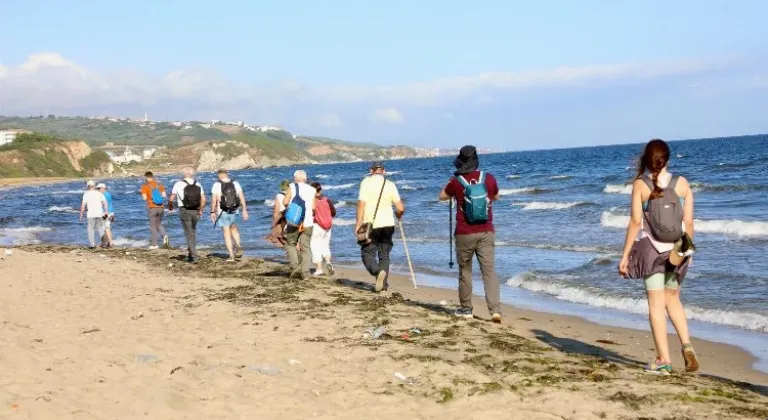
column 374, row 205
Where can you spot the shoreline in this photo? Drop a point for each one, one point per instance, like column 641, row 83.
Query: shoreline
column 629, row 342
column 139, row 333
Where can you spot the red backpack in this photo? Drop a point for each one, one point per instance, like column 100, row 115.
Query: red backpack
column 323, row 216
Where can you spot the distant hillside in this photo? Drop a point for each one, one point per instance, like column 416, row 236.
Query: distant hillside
column 208, row 145
column 39, row 155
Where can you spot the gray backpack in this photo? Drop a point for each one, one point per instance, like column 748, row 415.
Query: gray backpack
column 664, row 215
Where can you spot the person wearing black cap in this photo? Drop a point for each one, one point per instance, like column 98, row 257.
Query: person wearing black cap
column 474, row 191
column 374, row 209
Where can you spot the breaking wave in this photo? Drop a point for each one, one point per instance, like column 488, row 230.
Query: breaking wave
column 339, row 187
column 554, row 285
column 618, row 189
column 737, row 228
column 544, row 205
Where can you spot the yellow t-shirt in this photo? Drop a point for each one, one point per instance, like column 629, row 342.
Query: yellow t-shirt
column 369, row 194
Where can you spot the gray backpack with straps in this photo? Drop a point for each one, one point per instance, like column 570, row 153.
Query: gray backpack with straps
column 664, row 215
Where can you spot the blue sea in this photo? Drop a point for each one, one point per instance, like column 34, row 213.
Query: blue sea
column 560, row 226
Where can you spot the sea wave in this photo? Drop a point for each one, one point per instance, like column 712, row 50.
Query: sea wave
column 618, row 189
column 561, row 247
column 322, row 176
column 526, row 190
column 22, row 235
column 344, row 222
column 131, row 243
column 555, row 177
column 700, row 186
column 339, row 187
column 554, row 285
column 544, row 205
column 62, row 209
column 513, row 176
column 737, row 228
column 341, row 203
column 269, row 202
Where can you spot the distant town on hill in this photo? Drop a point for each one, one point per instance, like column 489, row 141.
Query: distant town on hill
column 136, row 143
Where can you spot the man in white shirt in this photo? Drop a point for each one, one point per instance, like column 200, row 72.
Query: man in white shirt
column 303, row 234
column 374, row 205
column 188, row 194
column 227, row 198
column 96, row 205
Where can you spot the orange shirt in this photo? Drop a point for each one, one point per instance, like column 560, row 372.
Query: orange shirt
column 146, row 190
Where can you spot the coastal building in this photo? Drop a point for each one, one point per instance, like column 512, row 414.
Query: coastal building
column 7, row 137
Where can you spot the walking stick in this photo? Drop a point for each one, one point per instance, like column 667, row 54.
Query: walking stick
column 407, row 255
column 450, row 233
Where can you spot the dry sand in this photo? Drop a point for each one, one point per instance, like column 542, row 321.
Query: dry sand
column 140, row 334
column 7, row 183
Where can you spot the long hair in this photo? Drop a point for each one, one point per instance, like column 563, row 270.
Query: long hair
column 654, row 159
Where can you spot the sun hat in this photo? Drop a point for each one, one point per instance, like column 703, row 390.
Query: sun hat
column 101, row 185
column 90, row 184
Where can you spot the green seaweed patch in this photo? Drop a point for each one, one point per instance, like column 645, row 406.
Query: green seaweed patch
column 511, row 343
column 719, row 392
column 757, row 412
column 631, row 400
column 486, row 388
column 444, row 395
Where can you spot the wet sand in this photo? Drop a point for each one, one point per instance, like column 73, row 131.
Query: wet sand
column 136, row 333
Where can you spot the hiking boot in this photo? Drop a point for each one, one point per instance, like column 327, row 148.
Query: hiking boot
column 295, row 273
column 238, row 252
column 496, row 318
column 329, row 268
column 380, row 278
column 464, row 313
column 691, row 362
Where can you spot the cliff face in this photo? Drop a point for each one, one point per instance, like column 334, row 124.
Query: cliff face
column 59, row 159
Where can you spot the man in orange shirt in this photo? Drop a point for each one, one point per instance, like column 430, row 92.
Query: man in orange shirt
column 153, row 193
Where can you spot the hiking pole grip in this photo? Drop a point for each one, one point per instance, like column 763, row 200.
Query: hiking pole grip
column 450, row 233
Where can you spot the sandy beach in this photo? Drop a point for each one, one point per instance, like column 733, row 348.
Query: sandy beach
column 139, row 334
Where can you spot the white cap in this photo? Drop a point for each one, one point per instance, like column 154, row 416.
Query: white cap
column 101, row 185
column 90, row 184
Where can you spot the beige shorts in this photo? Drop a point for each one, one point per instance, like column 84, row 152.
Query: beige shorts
column 661, row 281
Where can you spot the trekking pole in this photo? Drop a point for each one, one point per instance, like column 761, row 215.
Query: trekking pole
column 450, row 233
column 407, row 255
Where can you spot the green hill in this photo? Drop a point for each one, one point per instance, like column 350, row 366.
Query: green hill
column 40, row 155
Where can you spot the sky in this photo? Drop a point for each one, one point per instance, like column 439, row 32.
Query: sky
column 507, row 75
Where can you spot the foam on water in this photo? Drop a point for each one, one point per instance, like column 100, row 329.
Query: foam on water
column 543, row 205
column 553, row 285
column 737, row 228
column 62, row 209
column 555, row 177
column 618, row 189
column 269, row 202
column 22, row 235
column 344, row 222
column 526, row 190
column 513, row 176
column 322, row 176
column 339, row 187
column 131, row 243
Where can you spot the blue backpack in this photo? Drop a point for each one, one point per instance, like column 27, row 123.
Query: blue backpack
column 294, row 214
column 476, row 202
column 157, row 196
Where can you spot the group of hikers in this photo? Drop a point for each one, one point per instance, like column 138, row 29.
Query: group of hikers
column 658, row 246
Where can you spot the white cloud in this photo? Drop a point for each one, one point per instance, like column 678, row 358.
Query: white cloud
column 387, row 115
column 48, row 81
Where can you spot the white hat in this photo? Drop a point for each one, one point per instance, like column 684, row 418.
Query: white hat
column 90, row 184
column 101, row 185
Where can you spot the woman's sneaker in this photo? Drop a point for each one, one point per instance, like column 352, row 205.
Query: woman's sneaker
column 329, row 268
column 380, row 279
column 658, row 368
column 691, row 362
column 464, row 313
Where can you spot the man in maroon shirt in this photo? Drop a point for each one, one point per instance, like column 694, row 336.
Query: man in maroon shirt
column 474, row 238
